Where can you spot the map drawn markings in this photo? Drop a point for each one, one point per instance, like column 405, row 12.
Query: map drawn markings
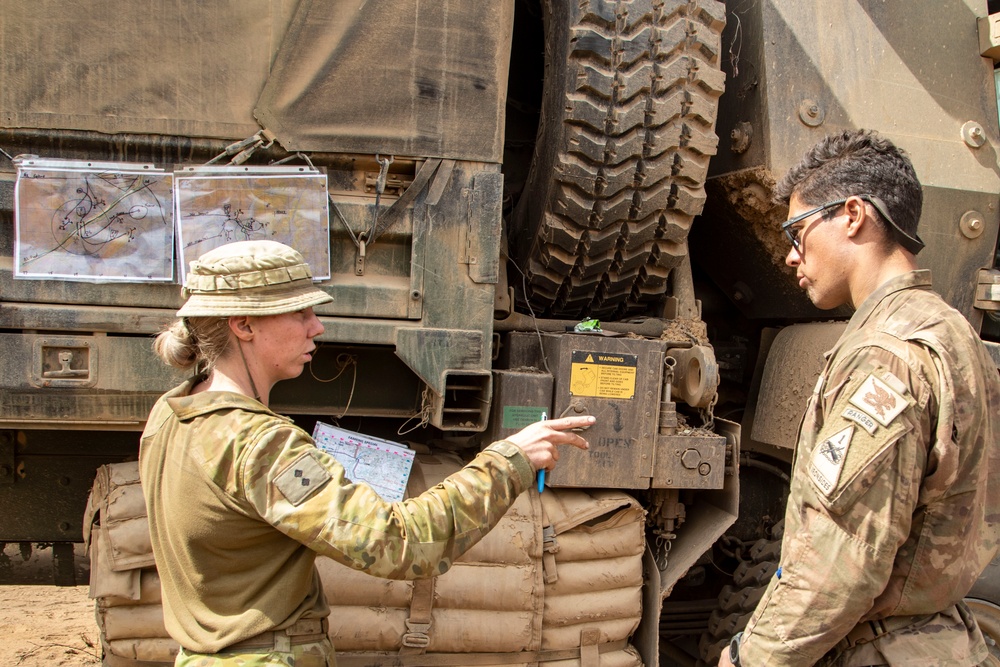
column 106, row 222
column 216, row 206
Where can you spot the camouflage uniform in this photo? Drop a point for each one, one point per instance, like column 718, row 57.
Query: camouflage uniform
column 894, row 505
column 312, row 654
column 240, row 502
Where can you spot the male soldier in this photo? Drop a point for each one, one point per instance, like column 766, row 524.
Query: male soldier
column 895, row 499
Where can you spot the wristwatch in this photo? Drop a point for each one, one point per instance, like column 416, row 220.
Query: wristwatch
column 734, row 649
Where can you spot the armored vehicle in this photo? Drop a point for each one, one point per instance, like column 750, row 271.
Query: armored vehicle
column 521, row 208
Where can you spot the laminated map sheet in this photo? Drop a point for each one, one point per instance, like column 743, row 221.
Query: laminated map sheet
column 383, row 465
column 93, row 221
column 220, row 205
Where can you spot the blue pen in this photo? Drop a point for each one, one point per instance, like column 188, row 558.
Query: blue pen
column 541, row 473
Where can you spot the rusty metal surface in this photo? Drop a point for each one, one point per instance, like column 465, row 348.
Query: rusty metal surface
column 915, row 74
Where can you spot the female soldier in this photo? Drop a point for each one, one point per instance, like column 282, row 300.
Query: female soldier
column 240, row 500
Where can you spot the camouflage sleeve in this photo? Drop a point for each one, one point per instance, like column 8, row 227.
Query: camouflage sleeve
column 854, row 489
column 303, row 492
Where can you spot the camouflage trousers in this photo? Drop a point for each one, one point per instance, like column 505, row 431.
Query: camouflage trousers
column 949, row 637
column 312, row 654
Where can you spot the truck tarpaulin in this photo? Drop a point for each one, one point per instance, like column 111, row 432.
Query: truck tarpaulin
column 391, row 77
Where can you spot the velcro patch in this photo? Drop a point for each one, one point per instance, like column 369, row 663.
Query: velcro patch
column 304, row 477
column 878, row 400
column 856, row 442
column 828, row 459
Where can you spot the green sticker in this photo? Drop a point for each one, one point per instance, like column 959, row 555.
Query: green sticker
column 519, row 416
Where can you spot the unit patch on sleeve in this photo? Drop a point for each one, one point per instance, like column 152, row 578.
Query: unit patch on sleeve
column 304, row 477
column 865, row 419
column 878, row 400
column 828, row 459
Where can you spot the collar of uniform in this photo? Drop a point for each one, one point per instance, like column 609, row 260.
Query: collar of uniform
column 187, row 406
column 919, row 279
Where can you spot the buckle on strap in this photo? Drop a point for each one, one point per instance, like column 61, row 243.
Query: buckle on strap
column 549, row 542
column 416, row 635
column 550, row 547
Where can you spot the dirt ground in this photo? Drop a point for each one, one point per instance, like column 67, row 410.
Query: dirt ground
column 47, row 626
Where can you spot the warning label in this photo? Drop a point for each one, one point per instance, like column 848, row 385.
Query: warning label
column 602, row 374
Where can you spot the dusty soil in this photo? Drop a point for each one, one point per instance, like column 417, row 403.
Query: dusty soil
column 46, row 626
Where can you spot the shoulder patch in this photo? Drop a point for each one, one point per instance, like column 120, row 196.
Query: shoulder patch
column 828, row 459
column 857, row 440
column 878, row 400
column 304, row 477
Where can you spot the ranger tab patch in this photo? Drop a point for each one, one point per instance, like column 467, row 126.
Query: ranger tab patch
column 828, row 459
column 878, row 400
column 861, row 418
column 304, row 477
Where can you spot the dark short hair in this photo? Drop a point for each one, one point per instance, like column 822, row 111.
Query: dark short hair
column 856, row 162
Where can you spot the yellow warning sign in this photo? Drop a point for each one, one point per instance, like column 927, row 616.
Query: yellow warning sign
column 602, row 375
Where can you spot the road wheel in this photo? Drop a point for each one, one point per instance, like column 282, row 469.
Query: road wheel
column 738, row 599
column 627, row 128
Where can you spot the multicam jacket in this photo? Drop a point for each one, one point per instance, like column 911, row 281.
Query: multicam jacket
column 894, row 508
column 240, row 502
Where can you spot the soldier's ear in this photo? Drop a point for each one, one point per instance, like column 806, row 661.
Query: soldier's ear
column 857, row 216
column 241, row 326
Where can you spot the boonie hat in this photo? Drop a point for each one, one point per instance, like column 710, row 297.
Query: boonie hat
column 249, row 278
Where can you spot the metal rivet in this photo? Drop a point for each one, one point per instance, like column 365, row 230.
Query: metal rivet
column 811, row 113
column 973, row 134
column 972, row 224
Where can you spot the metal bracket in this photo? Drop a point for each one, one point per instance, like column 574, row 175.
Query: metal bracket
column 988, row 290
column 689, row 462
column 394, row 184
column 989, row 36
column 359, row 263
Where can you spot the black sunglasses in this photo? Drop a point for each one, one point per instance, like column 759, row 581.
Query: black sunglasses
column 912, row 243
